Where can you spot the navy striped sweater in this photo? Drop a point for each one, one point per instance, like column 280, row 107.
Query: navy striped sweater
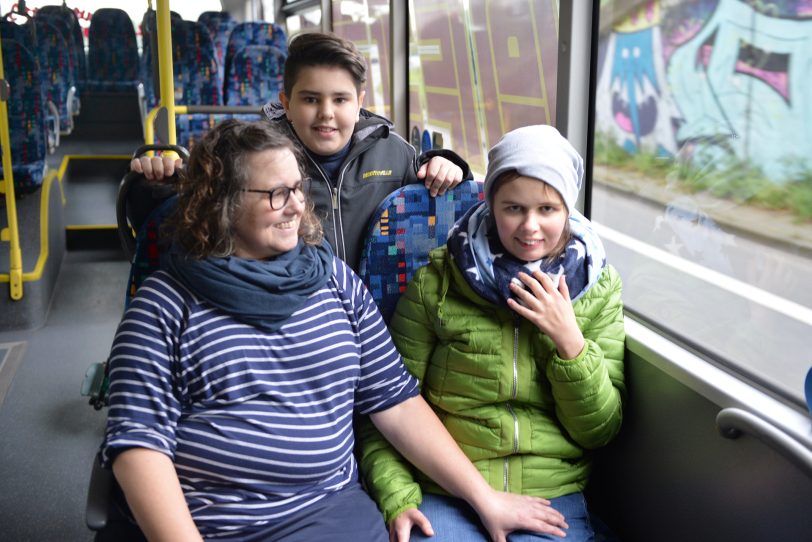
column 259, row 426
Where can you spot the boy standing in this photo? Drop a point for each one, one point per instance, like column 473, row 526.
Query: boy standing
column 355, row 158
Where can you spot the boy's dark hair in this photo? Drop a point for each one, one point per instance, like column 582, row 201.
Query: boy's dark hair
column 321, row 49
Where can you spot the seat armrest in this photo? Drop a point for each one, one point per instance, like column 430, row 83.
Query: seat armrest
column 99, row 496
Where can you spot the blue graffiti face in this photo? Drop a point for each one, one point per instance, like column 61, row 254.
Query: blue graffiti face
column 634, row 84
column 741, row 84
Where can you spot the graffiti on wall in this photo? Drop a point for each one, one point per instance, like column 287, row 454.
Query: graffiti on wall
column 716, row 80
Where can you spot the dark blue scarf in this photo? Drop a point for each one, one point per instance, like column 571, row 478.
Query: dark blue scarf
column 488, row 268
column 261, row 293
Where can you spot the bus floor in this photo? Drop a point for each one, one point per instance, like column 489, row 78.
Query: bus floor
column 49, row 433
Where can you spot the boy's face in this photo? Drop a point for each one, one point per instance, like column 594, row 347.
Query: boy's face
column 323, row 108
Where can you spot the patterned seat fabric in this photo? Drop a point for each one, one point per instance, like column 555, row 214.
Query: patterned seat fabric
column 68, row 23
column 113, row 64
column 253, row 33
column 195, row 65
column 57, row 66
column 191, row 127
column 256, row 75
column 219, row 24
column 408, row 224
column 26, row 117
column 148, row 248
column 148, row 26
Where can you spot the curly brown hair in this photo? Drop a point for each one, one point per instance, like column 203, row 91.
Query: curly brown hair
column 210, row 195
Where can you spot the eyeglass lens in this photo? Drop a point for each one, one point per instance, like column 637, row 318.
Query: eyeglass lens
column 279, row 196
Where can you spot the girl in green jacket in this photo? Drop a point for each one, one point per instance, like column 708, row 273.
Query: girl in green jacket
column 515, row 331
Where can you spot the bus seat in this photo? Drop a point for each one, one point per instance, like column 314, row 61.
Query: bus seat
column 26, row 35
column 195, row 65
column 112, row 61
column 407, row 225
column 74, row 35
column 28, row 130
column 254, row 33
column 56, row 65
column 190, row 127
column 255, row 75
column 76, row 56
column 148, row 248
column 219, row 24
column 22, row 33
column 148, row 76
column 211, row 19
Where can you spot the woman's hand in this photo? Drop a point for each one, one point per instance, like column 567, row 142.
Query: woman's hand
column 550, row 310
column 156, row 168
column 439, row 174
column 400, row 528
column 507, row 512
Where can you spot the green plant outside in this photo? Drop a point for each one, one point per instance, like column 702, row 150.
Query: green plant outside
column 736, row 180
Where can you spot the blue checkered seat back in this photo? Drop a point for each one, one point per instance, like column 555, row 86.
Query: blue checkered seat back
column 148, row 248
column 148, row 57
column 26, row 117
column 195, row 65
column 252, row 33
column 255, row 76
column 72, row 32
column 112, row 59
column 219, row 24
column 407, row 225
column 57, row 66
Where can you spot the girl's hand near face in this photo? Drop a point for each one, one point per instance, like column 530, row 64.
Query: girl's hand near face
column 550, row 310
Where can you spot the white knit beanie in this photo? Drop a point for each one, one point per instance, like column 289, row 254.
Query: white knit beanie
column 540, row 152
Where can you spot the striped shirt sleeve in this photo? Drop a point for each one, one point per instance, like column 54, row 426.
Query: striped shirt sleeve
column 385, row 381
column 144, row 404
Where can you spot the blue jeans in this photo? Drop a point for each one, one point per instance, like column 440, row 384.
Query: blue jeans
column 454, row 521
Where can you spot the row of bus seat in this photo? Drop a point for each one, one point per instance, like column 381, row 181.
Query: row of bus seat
column 217, row 62
column 247, row 71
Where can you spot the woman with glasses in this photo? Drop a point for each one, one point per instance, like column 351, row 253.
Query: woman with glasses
column 237, row 370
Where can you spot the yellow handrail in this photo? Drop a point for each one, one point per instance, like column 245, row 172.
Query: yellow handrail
column 12, row 232
column 165, row 66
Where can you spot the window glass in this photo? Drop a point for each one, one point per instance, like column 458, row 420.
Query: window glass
column 703, row 176
column 308, row 19
column 478, row 69
column 366, row 23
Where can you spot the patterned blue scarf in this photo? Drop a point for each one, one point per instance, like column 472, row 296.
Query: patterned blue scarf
column 260, row 293
column 488, row 268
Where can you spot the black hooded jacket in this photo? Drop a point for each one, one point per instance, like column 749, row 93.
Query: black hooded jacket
column 379, row 162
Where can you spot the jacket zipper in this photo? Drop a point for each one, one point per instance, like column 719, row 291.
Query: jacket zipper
column 338, row 234
column 513, row 394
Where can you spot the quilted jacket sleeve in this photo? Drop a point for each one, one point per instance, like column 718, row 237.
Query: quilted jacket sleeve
column 589, row 390
column 387, row 474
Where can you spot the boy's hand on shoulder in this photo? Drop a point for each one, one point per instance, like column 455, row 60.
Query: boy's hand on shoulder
column 439, row 174
column 156, row 168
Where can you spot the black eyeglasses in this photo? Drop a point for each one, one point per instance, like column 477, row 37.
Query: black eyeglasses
column 279, row 196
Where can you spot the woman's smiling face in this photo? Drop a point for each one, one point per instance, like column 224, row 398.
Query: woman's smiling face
column 262, row 232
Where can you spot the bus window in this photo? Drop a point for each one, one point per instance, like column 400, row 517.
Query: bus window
column 303, row 20
column 479, row 69
column 366, row 23
column 703, row 177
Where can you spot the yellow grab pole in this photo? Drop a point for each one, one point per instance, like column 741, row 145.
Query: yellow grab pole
column 165, row 66
column 11, row 233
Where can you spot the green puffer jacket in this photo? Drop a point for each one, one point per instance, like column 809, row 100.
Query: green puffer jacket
column 525, row 417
